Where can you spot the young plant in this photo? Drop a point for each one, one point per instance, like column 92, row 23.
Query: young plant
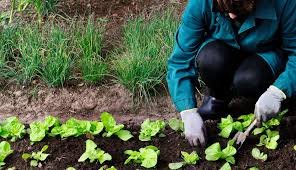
column 270, row 139
column 254, row 168
column 259, row 155
column 176, row 124
column 226, row 166
column 106, row 168
column 227, row 126
column 147, row 156
column 74, row 127
column 12, row 129
column 150, row 129
column 38, row 130
column 112, row 128
column 5, row 151
column 188, row 159
column 214, row 152
column 94, row 154
column 246, row 120
column 36, row 157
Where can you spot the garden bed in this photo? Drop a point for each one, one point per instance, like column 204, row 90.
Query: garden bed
column 65, row 153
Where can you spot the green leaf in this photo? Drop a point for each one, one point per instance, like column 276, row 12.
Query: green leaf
column 254, row 168
column 228, row 151
column 294, row 147
column 226, row 166
column 37, row 131
column 176, row 165
column 5, row 150
column 108, row 120
column 105, row 157
column 51, row 121
column 213, row 152
column 12, row 128
column 230, row 160
column 124, row 135
column 247, row 119
column 226, row 131
column 96, row 127
column 146, row 156
column 26, row 156
column 70, row 168
column 176, row 124
column 258, row 131
column 93, row 153
column 190, row 158
column 259, row 155
column 34, row 163
column 44, row 148
column 150, row 128
column 263, row 140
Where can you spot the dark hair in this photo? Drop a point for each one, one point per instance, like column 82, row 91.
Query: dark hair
column 236, row 6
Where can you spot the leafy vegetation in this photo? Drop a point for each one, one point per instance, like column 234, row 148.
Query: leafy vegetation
column 214, row 152
column 36, row 157
column 150, row 128
column 270, row 139
column 147, row 156
column 94, row 154
column 259, row 155
column 5, row 151
column 106, row 168
column 12, row 129
column 189, row 159
column 176, row 124
column 226, row 166
column 112, row 128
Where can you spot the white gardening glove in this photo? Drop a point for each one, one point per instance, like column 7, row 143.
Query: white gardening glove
column 269, row 104
column 194, row 129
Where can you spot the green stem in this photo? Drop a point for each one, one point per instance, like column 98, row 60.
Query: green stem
column 11, row 11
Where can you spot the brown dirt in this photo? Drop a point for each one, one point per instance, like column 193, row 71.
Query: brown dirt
column 64, row 155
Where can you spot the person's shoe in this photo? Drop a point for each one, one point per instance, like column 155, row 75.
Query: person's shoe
column 213, row 108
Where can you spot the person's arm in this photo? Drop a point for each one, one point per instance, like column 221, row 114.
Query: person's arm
column 269, row 103
column 287, row 80
column 181, row 71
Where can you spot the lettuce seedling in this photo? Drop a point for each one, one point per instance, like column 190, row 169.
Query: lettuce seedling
column 94, row 154
column 226, row 166
column 259, row 155
column 188, row 159
column 150, row 129
column 227, row 126
column 74, row 127
column 270, row 139
column 38, row 130
column 106, row 168
column 176, row 124
column 147, row 156
column 36, row 157
column 12, row 129
column 112, row 128
column 214, row 152
column 5, row 151
column 246, row 120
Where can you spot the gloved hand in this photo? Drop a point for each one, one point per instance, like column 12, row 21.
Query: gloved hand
column 269, row 104
column 195, row 131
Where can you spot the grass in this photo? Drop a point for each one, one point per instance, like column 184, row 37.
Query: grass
column 141, row 65
column 90, row 41
column 30, row 46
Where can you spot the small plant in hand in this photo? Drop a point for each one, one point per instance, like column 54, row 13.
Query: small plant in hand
column 188, row 159
column 12, row 129
column 150, row 129
column 38, row 130
column 147, row 156
column 112, row 128
column 94, row 154
column 36, row 157
column 176, row 124
column 259, row 155
column 5, row 151
column 270, row 139
column 214, row 152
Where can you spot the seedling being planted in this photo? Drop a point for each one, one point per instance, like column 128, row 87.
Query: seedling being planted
column 214, row 152
column 176, row 124
column 147, row 156
column 150, row 129
column 259, row 155
column 36, row 157
column 5, row 151
column 188, row 159
column 12, row 129
column 94, row 154
column 270, row 139
column 112, row 128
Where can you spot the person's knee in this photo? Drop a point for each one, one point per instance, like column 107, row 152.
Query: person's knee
column 248, row 84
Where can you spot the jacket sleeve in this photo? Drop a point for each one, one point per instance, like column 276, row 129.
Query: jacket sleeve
column 287, row 80
column 181, row 70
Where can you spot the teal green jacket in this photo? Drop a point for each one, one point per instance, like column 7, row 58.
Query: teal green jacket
column 269, row 31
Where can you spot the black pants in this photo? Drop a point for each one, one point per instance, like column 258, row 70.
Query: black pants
column 227, row 71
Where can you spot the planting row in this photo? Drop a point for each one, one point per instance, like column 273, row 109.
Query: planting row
column 56, row 53
column 147, row 157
